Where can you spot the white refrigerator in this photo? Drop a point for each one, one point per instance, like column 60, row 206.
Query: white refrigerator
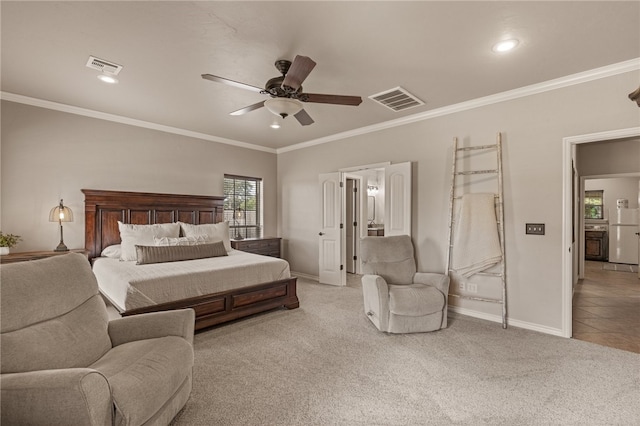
column 623, row 236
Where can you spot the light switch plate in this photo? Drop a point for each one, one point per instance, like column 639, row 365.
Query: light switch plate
column 535, row 228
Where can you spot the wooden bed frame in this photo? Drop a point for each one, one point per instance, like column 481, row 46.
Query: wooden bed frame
column 103, row 210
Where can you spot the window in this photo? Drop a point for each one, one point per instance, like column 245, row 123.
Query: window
column 593, row 202
column 243, row 206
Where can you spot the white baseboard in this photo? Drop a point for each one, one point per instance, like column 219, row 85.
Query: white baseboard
column 475, row 314
column 510, row 322
column 305, row 276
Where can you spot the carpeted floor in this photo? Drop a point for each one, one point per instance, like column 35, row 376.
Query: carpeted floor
column 325, row 364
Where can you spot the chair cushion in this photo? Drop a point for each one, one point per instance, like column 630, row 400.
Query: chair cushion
column 415, row 300
column 390, row 257
column 145, row 374
column 52, row 311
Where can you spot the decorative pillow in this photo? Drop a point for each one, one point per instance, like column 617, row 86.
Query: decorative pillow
column 113, row 251
column 215, row 231
column 161, row 254
column 132, row 235
column 181, row 241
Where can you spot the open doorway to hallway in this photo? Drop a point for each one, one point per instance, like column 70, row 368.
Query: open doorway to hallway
column 606, row 297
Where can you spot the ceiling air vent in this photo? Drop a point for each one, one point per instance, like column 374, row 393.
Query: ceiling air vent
column 102, row 65
column 396, row 99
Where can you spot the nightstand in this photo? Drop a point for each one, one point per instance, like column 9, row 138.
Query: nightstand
column 266, row 246
column 35, row 255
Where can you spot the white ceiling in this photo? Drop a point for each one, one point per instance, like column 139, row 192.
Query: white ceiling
column 439, row 51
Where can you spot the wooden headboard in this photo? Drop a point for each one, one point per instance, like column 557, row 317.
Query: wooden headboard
column 103, row 210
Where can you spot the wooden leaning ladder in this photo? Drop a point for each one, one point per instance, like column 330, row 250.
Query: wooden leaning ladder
column 454, row 196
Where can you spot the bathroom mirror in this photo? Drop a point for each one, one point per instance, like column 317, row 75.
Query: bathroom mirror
column 371, row 208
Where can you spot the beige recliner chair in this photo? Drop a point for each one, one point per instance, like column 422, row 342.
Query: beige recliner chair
column 397, row 299
column 64, row 363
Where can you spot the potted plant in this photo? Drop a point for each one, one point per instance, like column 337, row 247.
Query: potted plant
column 7, row 241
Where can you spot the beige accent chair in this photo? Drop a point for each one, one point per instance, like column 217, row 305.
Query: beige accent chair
column 64, row 363
column 397, row 299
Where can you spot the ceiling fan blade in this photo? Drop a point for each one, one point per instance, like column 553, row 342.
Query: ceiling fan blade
column 298, row 71
column 248, row 109
column 303, row 118
column 231, row 82
column 331, row 99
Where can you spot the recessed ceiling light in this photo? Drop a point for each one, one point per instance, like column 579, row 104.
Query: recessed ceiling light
column 505, row 45
column 107, row 78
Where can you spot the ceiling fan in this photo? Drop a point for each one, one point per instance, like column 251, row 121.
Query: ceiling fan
column 285, row 91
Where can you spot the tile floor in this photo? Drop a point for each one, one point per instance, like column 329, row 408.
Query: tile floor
column 606, row 308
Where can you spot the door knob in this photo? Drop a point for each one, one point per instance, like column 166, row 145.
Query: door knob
column 321, row 233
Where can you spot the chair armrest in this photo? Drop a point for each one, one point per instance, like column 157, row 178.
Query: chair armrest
column 439, row 281
column 73, row 396
column 179, row 323
column 376, row 300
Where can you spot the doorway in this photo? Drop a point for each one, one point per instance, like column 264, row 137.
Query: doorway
column 332, row 260
column 598, row 232
column 572, row 225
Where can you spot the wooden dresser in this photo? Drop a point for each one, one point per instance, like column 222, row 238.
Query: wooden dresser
column 266, row 246
column 35, row 255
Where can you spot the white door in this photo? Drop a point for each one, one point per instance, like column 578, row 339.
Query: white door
column 331, row 241
column 397, row 199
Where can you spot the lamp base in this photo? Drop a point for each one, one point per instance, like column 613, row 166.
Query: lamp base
column 61, row 247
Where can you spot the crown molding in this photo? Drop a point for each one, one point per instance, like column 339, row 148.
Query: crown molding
column 558, row 83
column 534, row 89
column 126, row 120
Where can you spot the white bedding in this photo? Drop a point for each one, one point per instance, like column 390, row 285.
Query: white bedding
column 129, row 286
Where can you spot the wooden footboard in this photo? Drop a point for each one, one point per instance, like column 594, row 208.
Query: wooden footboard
column 219, row 308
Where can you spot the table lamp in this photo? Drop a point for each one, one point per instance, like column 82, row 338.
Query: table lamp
column 61, row 214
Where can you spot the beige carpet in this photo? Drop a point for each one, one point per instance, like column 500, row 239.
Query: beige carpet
column 325, row 364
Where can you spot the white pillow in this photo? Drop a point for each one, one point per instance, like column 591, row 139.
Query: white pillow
column 215, row 231
column 181, row 241
column 142, row 235
column 113, row 251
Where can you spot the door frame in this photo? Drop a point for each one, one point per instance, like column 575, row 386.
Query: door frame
column 568, row 157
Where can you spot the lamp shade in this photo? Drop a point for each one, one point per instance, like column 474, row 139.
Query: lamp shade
column 61, row 213
column 283, row 106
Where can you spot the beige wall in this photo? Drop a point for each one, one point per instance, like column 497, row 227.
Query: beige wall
column 47, row 155
column 609, row 157
column 533, row 128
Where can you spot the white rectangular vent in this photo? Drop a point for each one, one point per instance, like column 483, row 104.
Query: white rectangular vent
column 396, row 99
column 102, row 65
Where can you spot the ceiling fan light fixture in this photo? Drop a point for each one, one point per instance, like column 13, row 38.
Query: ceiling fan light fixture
column 283, row 107
column 275, row 125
